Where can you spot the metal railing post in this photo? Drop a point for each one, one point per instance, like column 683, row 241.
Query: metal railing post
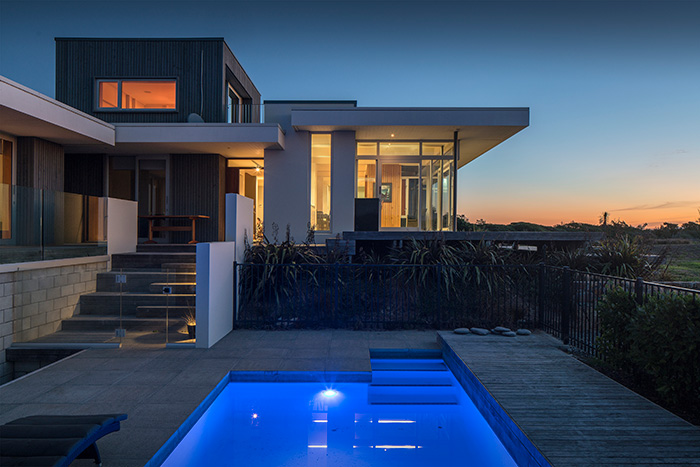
column 540, row 296
column 566, row 306
column 639, row 291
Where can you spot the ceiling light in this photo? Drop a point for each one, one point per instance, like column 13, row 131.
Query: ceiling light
column 392, row 135
column 330, row 393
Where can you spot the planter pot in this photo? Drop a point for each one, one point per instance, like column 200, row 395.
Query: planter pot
column 191, row 330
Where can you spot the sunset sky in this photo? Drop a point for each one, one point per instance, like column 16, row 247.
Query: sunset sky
column 613, row 87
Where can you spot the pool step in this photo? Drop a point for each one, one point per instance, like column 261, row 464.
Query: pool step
column 413, row 378
column 408, row 365
column 412, row 395
column 414, row 381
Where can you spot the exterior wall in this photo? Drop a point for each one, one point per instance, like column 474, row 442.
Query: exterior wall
column 39, row 164
column 35, row 299
column 342, row 182
column 198, row 186
column 79, row 62
column 287, row 176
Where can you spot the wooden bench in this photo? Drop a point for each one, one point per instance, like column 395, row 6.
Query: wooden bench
column 171, row 228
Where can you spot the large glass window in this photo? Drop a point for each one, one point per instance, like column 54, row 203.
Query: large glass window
column 137, row 94
column 321, row 182
column 413, row 179
column 5, row 189
column 366, row 178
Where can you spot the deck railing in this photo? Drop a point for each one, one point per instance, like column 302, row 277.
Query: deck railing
column 560, row 301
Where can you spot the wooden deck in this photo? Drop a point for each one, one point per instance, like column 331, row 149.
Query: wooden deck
column 574, row 415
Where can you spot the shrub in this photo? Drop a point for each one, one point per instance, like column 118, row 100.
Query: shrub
column 666, row 346
column 615, row 312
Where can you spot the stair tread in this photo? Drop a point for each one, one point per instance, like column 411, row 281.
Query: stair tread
column 135, row 294
column 412, row 395
column 417, row 378
column 408, row 364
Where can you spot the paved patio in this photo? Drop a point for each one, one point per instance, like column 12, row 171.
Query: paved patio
column 573, row 414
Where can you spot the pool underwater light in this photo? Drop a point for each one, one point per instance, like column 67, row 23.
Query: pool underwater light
column 330, row 393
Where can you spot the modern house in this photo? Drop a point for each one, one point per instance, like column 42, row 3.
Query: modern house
column 170, row 127
column 188, row 131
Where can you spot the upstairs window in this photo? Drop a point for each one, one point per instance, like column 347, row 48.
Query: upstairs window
column 128, row 94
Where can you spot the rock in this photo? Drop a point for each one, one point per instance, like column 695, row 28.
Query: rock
column 461, row 331
column 479, row 331
column 523, row 332
column 508, row 334
column 501, row 329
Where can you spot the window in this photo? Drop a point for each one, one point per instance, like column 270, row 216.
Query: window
column 321, row 182
column 233, row 106
column 122, row 94
column 5, row 189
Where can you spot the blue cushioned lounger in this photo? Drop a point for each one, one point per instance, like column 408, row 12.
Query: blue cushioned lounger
column 54, row 440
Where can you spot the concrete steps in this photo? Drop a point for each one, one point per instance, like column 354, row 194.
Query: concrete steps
column 141, row 302
column 152, row 261
column 139, row 281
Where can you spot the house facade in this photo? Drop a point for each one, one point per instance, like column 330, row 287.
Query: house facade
column 188, row 127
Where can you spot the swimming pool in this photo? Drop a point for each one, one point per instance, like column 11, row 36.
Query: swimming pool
column 413, row 413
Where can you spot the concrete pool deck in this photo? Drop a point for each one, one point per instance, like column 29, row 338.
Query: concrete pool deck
column 574, row 415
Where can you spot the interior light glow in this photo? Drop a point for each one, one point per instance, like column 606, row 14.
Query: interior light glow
column 255, row 415
column 318, row 446
column 330, row 393
column 396, row 421
column 320, row 421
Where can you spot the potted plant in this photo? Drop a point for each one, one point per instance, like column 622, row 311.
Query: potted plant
column 190, row 319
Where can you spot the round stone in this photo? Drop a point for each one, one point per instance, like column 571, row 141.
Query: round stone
column 501, row 329
column 523, row 332
column 480, row 331
column 508, row 334
column 461, row 331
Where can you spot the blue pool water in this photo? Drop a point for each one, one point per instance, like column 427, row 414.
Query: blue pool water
column 414, row 413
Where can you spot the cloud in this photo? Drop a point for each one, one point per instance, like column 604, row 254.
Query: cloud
column 666, row 205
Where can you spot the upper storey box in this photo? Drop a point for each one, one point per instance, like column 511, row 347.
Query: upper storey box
column 155, row 80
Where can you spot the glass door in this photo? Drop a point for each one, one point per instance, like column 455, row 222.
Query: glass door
column 399, row 192
column 436, row 194
column 152, row 194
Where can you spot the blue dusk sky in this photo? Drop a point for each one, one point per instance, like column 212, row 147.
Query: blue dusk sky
column 613, row 87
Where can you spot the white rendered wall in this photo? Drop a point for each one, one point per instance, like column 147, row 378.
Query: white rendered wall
column 287, row 178
column 214, row 305
column 122, row 235
column 239, row 222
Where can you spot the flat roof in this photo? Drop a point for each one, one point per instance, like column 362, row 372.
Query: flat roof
column 25, row 112
column 237, row 140
column 479, row 128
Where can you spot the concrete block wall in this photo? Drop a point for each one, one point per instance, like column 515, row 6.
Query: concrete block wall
column 37, row 296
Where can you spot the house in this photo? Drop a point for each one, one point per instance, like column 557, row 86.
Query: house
column 170, row 127
column 188, row 131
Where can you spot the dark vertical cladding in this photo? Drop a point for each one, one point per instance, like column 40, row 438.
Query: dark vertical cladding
column 39, row 164
column 196, row 64
column 198, row 187
column 84, row 174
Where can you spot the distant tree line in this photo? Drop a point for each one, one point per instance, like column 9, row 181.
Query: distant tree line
column 612, row 228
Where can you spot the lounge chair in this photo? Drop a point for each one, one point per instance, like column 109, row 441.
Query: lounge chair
column 54, row 440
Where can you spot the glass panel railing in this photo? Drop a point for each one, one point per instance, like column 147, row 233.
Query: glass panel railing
column 41, row 225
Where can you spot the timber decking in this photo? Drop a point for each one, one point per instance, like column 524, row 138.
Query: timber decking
column 573, row 414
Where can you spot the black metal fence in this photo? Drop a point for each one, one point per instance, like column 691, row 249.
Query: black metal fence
column 384, row 296
column 560, row 301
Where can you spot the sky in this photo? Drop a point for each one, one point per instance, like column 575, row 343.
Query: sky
column 613, row 87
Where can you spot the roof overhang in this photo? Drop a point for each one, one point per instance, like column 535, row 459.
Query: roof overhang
column 231, row 140
column 24, row 112
column 479, row 129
